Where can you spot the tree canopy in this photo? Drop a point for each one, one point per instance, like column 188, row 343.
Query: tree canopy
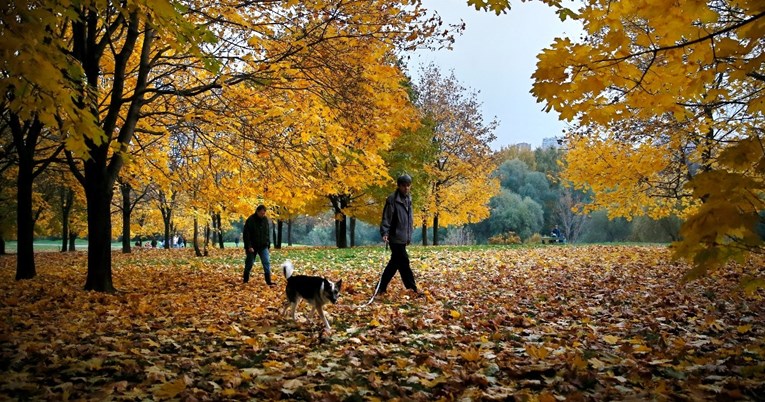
column 668, row 101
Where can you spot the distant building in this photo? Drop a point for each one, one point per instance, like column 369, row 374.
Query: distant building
column 523, row 146
column 551, row 142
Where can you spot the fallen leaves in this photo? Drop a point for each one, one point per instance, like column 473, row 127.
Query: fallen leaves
column 593, row 322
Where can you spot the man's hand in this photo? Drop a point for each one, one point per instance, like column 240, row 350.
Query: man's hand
column 385, row 238
column 250, row 250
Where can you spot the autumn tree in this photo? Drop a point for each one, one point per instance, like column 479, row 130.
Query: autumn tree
column 463, row 159
column 568, row 213
column 105, row 65
column 669, row 102
column 411, row 153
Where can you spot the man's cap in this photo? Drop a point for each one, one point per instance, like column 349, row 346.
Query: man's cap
column 404, row 178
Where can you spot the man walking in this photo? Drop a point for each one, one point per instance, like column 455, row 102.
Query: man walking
column 256, row 243
column 396, row 229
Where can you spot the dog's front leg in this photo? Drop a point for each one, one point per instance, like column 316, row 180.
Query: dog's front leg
column 320, row 313
column 285, row 306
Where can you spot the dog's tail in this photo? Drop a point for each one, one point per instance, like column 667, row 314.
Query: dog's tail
column 287, row 269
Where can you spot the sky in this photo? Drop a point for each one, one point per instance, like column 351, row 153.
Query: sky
column 495, row 56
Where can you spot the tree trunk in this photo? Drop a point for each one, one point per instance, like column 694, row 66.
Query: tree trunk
column 435, row 229
column 341, row 228
column 72, row 238
column 65, row 237
column 220, row 230
column 2, row 245
column 25, row 256
column 197, row 251
column 353, row 232
column 167, row 215
column 25, row 135
column 338, row 203
column 125, row 190
column 207, row 239
column 424, row 232
column 98, row 192
column 279, row 228
column 67, row 201
column 289, row 232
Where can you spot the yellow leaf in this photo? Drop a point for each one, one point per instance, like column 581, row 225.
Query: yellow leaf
column 471, row 355
column 579, row 363
column 596, row 364
column 610, row 339
column 455, row 314
column 539, row 352
column 170, row 390
column 742, row 329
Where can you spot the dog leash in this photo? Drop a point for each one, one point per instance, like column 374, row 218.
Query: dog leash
column 377, row 288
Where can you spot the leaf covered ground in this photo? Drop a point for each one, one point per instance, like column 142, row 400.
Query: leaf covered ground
column 550, row 323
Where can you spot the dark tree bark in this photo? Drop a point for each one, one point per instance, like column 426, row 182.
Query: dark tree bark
column 2, row 245
column 279, row 228
column 338, row 203
column 435, row 229
column 197, row 251
column 424, row 232
column 353, row 232
column 207, row 239
column 166, row 209
column 25, row 138
column 72, row 238
column 125, row 190
column 220, row 230
column 99, row 192
column 67, row 201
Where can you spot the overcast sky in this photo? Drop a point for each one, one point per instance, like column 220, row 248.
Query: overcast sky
column 496, row 55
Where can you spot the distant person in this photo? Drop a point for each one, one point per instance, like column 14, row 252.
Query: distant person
column 556, row 234
column 256, row 243
column 396, row 227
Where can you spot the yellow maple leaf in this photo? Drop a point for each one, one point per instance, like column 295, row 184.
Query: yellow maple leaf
column 471, row 355
column 610, row 339
column 169, row 390
column 539, row 352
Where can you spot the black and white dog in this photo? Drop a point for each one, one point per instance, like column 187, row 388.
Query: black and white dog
column 317, row 291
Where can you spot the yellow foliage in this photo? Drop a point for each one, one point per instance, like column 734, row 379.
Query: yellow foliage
column 669, row 103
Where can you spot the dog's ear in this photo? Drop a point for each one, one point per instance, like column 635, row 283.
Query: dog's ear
column 339, row 284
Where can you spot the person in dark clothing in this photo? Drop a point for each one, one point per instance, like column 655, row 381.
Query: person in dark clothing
column 396, row 229
column 256, row 243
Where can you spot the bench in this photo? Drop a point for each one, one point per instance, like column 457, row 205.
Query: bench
column 551, row 239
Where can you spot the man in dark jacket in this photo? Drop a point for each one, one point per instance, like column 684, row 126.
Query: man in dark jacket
column 396, row 229
column 256, row 243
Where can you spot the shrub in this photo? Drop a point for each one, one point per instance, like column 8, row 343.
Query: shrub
column 505, row 238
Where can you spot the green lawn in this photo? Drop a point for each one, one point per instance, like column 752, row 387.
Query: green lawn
column 80, row 245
